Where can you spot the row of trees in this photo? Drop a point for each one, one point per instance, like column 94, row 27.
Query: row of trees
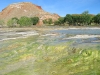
column 26, row 21
column 23, row 21
column 79, row 19
column 70, row 19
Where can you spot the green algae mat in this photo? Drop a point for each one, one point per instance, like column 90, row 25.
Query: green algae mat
column 26, row 56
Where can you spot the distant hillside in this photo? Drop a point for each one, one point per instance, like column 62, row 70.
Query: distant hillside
column 26, row 9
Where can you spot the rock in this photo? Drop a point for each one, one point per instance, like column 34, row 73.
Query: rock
column 26, row 9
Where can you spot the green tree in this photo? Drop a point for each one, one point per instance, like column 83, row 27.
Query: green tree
column 13, row 22
column 85, row 13
column 25, row 21
column 15, row 19
column 60, row 21
column 76, row 19
column 56, row 23
column 10, row 23
column 86, row 17
column 97, row 19
column 48, row 21
column 69, row 19
column 81, row 19
column 45, row 21
column 35, row 20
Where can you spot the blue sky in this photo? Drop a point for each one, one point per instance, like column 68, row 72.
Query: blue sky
column 61, row 7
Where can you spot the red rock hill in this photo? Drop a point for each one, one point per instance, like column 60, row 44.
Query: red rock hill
column 26, row 9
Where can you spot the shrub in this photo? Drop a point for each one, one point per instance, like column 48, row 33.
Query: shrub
column 12, row 22
column 34, row 20
column 48, row 21
column 25, row 21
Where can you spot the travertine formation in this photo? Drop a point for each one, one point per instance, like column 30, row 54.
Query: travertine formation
column 26, row 9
